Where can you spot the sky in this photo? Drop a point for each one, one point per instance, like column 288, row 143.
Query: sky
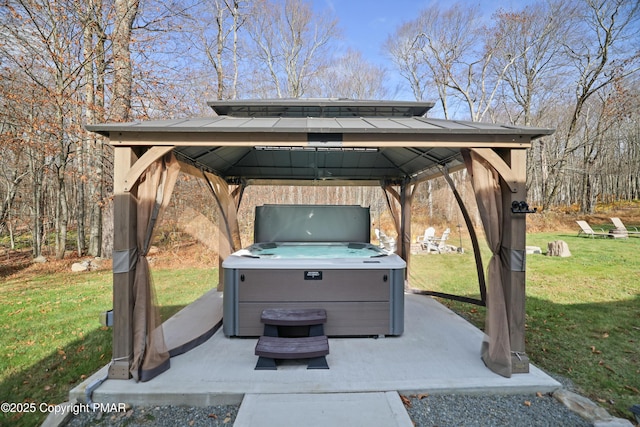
column 366, row 24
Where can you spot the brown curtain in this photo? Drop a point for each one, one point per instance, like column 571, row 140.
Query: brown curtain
column 496, row 347
column 220, row 190
column 230, row 236
column 150, row 355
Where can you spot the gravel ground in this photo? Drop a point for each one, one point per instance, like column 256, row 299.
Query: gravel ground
column 425, row 411
column 538, row 410
column 162, row 416
column 484, row 411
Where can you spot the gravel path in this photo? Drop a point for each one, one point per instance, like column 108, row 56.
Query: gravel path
column 162, row 416
column 425, row 411
column 483, row 411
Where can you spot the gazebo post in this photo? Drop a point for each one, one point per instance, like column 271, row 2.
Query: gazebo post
column 406, row 197
column 124, row 242
column 514, row 241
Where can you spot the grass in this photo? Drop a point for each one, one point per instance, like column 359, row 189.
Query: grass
column 51, row 339
column 583, row 318
column 583, row 312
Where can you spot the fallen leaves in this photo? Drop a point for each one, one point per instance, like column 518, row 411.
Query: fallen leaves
column 405, row 401
column 601, row 363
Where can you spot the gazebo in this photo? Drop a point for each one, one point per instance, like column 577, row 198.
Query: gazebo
column 391, row 144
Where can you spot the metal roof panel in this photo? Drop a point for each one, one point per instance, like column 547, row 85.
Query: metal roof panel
column 276, row 139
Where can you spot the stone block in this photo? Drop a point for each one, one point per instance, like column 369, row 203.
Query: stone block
column 558, row 248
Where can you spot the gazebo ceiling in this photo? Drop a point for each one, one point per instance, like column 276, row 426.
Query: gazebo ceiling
column 319, row 140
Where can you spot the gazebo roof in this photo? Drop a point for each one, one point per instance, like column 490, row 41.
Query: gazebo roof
column 319, row 107
column 319, row 139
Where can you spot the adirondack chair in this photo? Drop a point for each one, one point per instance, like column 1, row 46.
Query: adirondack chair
column 426, row 239
column 439, row 244
column 387, row 243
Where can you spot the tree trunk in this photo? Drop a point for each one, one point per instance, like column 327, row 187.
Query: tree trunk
column 36, row 169
column 8, row 200
column 126, row 11
column 94, row 70
column 62, row 207
column 81, row 197
column 96, row 196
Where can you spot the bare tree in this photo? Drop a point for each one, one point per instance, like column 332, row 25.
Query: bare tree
column 46, row 32
column 91, row 154
column 446, row 44
column 125, row 15
column 213, row 31
column 14, row 168
column 409, row 61
column 600, row 55
column 533, row 36
column 291, row 43
column 352, row 76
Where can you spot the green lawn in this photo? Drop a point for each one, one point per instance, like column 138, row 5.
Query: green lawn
column 583, row 312
column 583, row 319
column 51, row 338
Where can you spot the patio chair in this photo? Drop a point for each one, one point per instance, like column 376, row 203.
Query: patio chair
column 439, row 244
column 586, row 230
column 425, row 240
column 387, row 243
column 617, row 222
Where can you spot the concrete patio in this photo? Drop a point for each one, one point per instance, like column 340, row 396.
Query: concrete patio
column 439, row 352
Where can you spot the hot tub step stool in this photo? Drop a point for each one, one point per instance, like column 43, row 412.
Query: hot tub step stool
column 271, row 346
column 313, row 348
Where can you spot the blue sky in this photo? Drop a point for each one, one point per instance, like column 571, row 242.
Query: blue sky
column 367, row 23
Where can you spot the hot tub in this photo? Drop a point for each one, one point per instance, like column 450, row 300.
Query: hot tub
column 359, row 285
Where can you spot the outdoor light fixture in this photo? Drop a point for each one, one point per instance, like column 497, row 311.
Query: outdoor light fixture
column 521, row 207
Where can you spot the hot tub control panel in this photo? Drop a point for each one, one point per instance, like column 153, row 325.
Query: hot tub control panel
column 313, row 275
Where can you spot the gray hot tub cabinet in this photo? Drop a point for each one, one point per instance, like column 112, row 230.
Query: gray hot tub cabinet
column 361, row 297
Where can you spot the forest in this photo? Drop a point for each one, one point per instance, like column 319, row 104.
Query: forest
column 570, row 65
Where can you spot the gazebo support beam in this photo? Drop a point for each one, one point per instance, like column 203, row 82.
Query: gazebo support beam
column 150, row 156
column 401, row 216
column 511, row 177
column 514, row 242
column 124, row 242
column 406, row 198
